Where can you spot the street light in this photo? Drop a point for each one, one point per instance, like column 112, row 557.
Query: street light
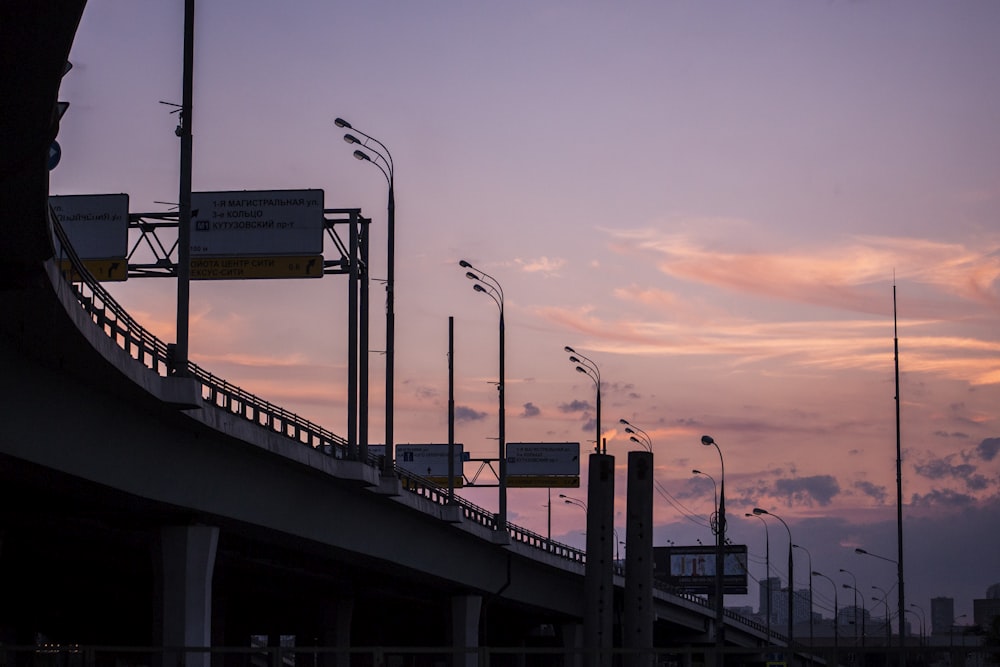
column 791, row 576
column 590, row 369
column 713, row 520
column 868, row 553
column 922, row 621
column 638, row 436
column 809, row 556
column 767, row 567
column 951, row 637
column 902, row 620
column 855, row 587
column 383, row 160
column 490, row 286
column 888, row 630
column 836, row 615
column 720, row 548
column 864, row 613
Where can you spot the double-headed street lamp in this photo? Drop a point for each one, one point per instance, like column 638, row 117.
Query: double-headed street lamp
column 855, row 587
column 720, row 548
column 864, row 612
column 637, row 435
column 899, row 583
column 590, row 369
column 809, row 556
column 767, row 568
column 836, row 615
column 888, row 629
column 488, row 285
column 713, row 520
column 923, row 619
column 383, row 160
column 791, row 575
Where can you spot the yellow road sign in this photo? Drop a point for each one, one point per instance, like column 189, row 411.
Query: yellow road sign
column 543, row 481
column 105, row 270
column 242, row 268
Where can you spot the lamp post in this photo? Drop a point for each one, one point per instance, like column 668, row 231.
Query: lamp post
column 836, row 615
column 488, row 285
column 720, row 550
column 638, row 436
column 922, row 621
column 902, row 620
column 951, row 637
column 767, row 567
column 810, row 561
column 791, row 575
column 715, row 499
column 864, row 612
column 899, row 583
column 888, row 631
column 855, row 587
column 383, row 160
column 590, row 369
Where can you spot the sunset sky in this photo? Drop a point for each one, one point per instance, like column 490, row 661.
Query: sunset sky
column 711, row 200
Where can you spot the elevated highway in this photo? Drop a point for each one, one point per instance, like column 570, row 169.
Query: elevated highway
column 188, row 511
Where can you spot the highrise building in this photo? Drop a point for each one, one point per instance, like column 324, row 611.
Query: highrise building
column 942, row 615
column 770, row 589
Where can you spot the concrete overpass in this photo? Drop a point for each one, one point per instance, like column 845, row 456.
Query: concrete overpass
column 189, row 512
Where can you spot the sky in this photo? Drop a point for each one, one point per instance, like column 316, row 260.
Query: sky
column 712, row 201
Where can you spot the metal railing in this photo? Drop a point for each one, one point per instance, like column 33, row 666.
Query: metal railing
column 140, row 344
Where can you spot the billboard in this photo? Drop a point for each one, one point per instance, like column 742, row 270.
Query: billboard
column 257, row 223
column 428, row 461
column 692, row 568
column 543, row 464
column 97, row 228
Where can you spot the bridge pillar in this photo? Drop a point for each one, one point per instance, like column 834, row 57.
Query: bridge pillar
column 638, row 634
column 187, row 565
column 599, row 593
column 572, row 641
column 337, row 617
column 465, row 613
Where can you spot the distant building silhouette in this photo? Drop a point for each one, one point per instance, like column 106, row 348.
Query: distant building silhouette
column 942, row 615
column 985, row 610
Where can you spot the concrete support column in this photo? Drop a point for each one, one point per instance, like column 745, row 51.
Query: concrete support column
column 465, row 614
column 336, row 631
column 188, row 560
column 638, row 634
column 572, row 641
column 599, row 592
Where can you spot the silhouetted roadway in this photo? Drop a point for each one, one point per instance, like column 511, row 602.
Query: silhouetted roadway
column 99, row 456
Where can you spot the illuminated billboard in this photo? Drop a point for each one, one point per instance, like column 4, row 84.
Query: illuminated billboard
column 692, row 568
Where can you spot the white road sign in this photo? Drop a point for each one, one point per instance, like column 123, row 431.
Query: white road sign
column 257, row 223
column 97, row 225
column 543, row 458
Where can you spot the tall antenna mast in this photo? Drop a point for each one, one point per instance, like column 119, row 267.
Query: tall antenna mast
column 899, row 493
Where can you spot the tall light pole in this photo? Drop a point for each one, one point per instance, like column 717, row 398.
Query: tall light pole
column 888, row 629
column 855, row 587
column 713, row 520
column 488, row 285
column 922, row 620
column 767, row 568
column 720, row 551
column 791, row 575
column 590, row 369
column 383, row 160
column 836, row 615
column 902, row 619
column 809, row 556
column 864, row 612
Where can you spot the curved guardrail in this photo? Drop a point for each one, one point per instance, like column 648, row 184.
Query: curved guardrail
column 147, row 349
column 153, row 353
